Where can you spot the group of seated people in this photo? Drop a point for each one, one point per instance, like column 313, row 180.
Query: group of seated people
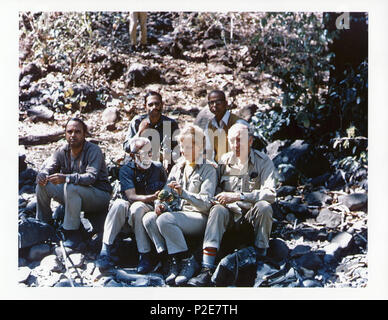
column 191, row 183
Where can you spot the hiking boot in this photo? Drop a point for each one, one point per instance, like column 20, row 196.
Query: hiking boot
column 203, row 279
column 173, row 270
column 188, row 269
column 72, row 238
column 104, row 262
column 146, row 264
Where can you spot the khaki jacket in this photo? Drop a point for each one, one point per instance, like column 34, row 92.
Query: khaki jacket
column 256, row 182
column 199, row 185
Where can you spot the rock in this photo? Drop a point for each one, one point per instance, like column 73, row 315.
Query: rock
column 300, row 250
column 51, row 263
column 64, row 283
column 200, row 92
column 310, row 261
column 33, row 231
column 210, row 44
column 300, row 210
column 278, row 250
column 304, row 158
column 39, row 251
column 354, row 201
column 317, row 198
column 329, row 218
column 320, row 180
column 219, row 69
column 338, row 246
column 336, row 181
column 273, row 148
column 203, row 117
column 32, row 70
column 287, row 174
column 40, row 113
column 110, row 115
column 291, row 218
column 285, row 191
column 113, row 283
column 77, row 259
column 247, row 112
column 311, row 283
column 140, row 74
column 23, row 274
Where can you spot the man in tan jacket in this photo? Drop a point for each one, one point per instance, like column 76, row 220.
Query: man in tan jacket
column 246, row 191
column 218, row 127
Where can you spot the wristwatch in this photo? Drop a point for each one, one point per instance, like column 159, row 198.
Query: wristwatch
column 242, row 196
column 67, row 179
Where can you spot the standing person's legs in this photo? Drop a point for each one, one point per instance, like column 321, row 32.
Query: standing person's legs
column 143, row 27
column 133, row 16
column 44, row 194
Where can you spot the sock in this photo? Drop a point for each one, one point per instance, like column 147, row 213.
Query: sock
column 209, row 257
column 105, row 249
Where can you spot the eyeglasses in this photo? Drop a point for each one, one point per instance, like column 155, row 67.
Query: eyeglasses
column 154, row 104
column 215, row 102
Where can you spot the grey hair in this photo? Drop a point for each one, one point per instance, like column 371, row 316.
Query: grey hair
column 135, row 142
column 242, row 126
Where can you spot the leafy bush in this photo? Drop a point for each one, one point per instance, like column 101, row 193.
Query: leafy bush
column 294, row 49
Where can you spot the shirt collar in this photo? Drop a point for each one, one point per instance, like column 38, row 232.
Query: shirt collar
column 224, row 120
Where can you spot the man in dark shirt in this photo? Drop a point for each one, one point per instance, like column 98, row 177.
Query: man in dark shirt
column 76, row 176
column 155, row 125
column 140, row 181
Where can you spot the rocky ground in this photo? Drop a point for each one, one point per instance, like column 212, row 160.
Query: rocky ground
column 319, row 236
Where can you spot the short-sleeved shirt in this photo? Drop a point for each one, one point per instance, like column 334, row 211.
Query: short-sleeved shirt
column 145, row 182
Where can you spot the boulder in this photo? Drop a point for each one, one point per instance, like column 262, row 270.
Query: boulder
column 40, row 113
column 140, row 74
column 318, row 198
column 300, row 250
column 51, row 263
column 304, row 158
column 311, row 261
column 354, row 201
column 287, row 174
column 278, row 250
column 39, row 251
column 339, row 246
column 219, row 69
column 330, row 219
column 285, row 191
column 203, row 117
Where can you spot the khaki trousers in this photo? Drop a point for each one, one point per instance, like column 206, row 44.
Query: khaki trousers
column 260, row 216
column 76, row 198
column 133, row 19
column 169, row 229
column 121, row 212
